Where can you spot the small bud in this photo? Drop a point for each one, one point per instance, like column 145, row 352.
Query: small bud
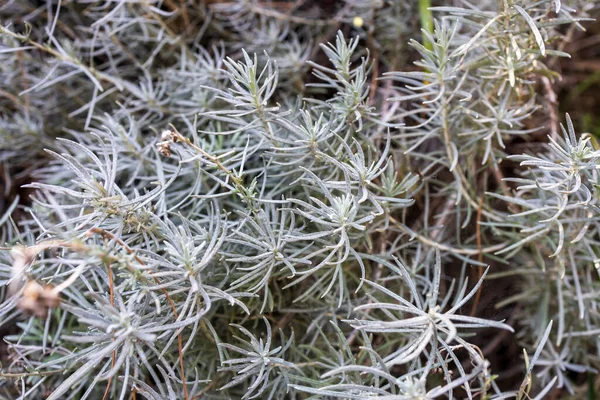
column 358, row 22
column 164, row 146
column 37, row 299
column 166, row 135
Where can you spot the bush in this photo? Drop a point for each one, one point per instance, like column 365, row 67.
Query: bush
column 201, row 202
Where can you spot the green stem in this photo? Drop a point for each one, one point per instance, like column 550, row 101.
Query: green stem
column 426, row 21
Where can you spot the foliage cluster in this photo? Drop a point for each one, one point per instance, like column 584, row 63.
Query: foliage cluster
column 203, row 202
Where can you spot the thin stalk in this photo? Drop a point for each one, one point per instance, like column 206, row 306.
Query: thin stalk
column 443, row 247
